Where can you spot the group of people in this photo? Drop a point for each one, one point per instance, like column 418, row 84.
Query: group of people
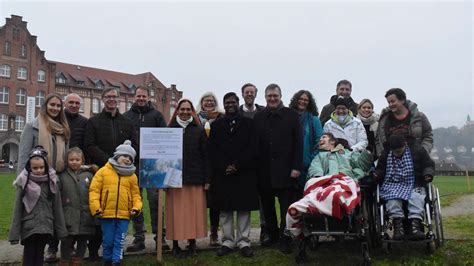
column 234, row 161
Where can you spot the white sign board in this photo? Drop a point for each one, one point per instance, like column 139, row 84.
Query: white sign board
column 161, row 157
column 30, row 108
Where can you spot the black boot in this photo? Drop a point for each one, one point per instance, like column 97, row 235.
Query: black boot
column 192, row 248
column 213, row 238
column 176, row 251
column 398, row 231
column 263, row 234
column 416, row 230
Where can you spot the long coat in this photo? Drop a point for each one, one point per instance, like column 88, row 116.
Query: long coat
column 75, row 202
column 280, row 138
column 45, row 218
column 233, row 141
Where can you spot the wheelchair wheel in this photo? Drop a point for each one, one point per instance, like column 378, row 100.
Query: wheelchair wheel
column 438, row 223
column 313, row 242
column 431, row 246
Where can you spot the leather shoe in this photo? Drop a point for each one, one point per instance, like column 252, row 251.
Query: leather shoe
column 224, row 250
column 246, row 252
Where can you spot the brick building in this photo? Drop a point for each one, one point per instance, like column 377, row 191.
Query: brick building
column 26, row 77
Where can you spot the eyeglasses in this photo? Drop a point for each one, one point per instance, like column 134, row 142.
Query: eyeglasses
column 111, row 97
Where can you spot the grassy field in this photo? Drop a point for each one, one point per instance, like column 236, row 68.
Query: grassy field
column 452, row 253
column 451, row 187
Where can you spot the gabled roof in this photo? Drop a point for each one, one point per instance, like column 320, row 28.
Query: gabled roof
column 91, row 76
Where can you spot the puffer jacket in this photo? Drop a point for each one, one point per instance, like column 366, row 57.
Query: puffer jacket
column 353, row 132
column 353, row 164
column 75, row 202
column 112, row 195
column 420, row 129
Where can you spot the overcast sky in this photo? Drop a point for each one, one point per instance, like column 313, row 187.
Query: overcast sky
column 425, row 48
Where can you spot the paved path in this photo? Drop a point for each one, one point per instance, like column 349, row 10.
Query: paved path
column 463, row 205
column 13, row 253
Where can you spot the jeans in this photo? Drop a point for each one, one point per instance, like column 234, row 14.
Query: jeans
column 416, row 205
column 113, row 238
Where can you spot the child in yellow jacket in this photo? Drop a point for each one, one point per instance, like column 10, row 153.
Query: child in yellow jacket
column 114, row 197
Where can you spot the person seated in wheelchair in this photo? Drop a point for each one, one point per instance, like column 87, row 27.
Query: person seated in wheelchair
column 403, row 173
column 332, row 188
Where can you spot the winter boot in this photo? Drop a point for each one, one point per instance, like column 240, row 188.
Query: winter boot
column 398, row 231
column 213, row 238
column 416, row 230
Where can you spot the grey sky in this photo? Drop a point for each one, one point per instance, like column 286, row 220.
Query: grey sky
column 425, row 48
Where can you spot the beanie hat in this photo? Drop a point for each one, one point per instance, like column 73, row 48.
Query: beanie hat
column 342, row 101
column 39, row 151
column 126, row 149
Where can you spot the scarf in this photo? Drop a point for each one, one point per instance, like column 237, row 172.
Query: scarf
column 122, row 170
column 32, row 189
column 53, row 141
column 343, row 123
column 184, row 123
column 208, row 116
column 371, row 120
column 399, row 178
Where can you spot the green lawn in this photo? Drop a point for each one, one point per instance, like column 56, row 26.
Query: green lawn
column 451, row 187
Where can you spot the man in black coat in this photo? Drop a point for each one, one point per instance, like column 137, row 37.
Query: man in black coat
column 344, row 89
column 280, row 138
column 248, row 109
column 104, row 132
column 143, row 114
column 77, row 122
column 233, row 152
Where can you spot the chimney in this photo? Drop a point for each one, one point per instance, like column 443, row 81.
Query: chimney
column 173, row 86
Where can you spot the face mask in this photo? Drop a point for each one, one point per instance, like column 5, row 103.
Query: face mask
column 341, row 118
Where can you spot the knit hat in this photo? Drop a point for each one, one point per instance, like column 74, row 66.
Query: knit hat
column 342, row 101
column 39, row 151
column 126, row 149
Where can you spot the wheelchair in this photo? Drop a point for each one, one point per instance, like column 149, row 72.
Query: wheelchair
column 359, row 225
column 432, row 222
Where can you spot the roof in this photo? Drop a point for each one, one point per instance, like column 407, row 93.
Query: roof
column 447, row 167
column 90, row 75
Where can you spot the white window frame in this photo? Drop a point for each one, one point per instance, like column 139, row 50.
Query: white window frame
column 7, row 48
column 5, row 71
column 41, row 75
column 95, row 105
column 61, row 80
column 39, row 99
column 3, row 122
column 129, row 105
column 172, row 109
column 22, row 73
column 23, row 50
column 4, row 94
column 20, row 96
column 19, row 123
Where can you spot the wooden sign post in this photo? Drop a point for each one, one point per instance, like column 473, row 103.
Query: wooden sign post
column 468, row 180
column 159, row 229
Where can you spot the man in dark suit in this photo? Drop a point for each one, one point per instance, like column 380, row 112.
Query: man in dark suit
column 280, row 161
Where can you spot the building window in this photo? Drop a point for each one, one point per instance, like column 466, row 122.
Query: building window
column 7, row 49
column 95, row 105
column 99, row 85
column 5, row 71
column 16, row 34
column 23, row 51
column 22, row 73
column 20, row 96
column 4, row 95
column 152, row 93
column 19, row 123
column 61, row 80
column 3, row 122
column 39, row 98
column 41, row 76
column 173, row 95
column 129, row 105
